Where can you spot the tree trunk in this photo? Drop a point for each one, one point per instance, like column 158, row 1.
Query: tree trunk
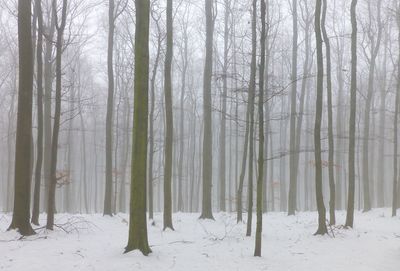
column 252, row 90
column 332, row 219
column 169, row 122
column 222, row 139
column 151, row 125
column 260, row 178
column 57, row 115
column 137, row 220
column 22, row 188
column 396, row 118
column 206, row 212
column 293, row 101
column 352, row 122
column 318, row 119
column 48, row 86
column 110, row 106
column 182, row 120
column 39, row 158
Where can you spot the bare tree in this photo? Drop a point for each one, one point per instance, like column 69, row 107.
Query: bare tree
column 352, row 122
column 60, row 27
column 257, row 250
column 169, row 125
column 137, row 220
column 22, row 188
column 206, row 211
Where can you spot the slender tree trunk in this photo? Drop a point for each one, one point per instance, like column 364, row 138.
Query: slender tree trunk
column 332, row 219
column 260, row 178
column 84, row 164
column 252, row 90
column 151, row 126
column 48, row 86
column 396, row 118
column 318, row 119
column 182, row 121
column 382, row 126
column 57, row 115
column 352, row 123
column 169, row 122
column 222, row 140
column 39, row 158
column 107, row 210
column 293, row 101
column 206, row 212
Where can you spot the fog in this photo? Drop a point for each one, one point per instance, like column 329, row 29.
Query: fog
column 306, row 125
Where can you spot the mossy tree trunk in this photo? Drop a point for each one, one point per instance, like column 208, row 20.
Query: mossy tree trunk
column 137, row 220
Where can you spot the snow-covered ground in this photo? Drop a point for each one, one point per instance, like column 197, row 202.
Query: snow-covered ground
column 94, row 242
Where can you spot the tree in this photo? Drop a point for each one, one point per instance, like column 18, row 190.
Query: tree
column 110, row 104
column 352, row 122
column 47, row 110
column 332, row 219
column 257, row 250
column 374, row 41
column 396, row 119
column 222, row 140
column 252, row 90
column 206, row 210
column 60, row 27
column 22, row 178
column 318, row 119
column 39, row 86
column 137, row 220
column 156, row 19
column 293, row 99
column 169, row 125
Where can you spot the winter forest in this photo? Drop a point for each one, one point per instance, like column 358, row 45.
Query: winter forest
column 199, row 134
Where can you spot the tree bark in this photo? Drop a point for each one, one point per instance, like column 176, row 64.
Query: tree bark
column 352, row 122
column 396, row 118
column 260, row 178
column 332, row 218
column 39, row 82
column 137, row 220
column 22, row 176
column 293, row 100
column 318, row 119
column 169, row 122
column 206, row 210
column 57, row 113
column 107, row 210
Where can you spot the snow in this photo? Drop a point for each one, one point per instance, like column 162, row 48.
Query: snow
column 94, row 242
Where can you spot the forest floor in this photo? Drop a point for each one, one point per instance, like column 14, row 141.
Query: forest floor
column 94, row 242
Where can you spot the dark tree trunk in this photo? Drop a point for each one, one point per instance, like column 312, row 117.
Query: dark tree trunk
column 293, row 101
column 352, row 123
column 396, row 118
column 169, row 136
column 137, row 220
column 252, row 90
column 22, row 188
column 48, row 87
column 257, row 250
column 57, row 115
column 318, row 119
column 110, row 106
column 332, row 219
column 206, row 210
column 39, row 157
